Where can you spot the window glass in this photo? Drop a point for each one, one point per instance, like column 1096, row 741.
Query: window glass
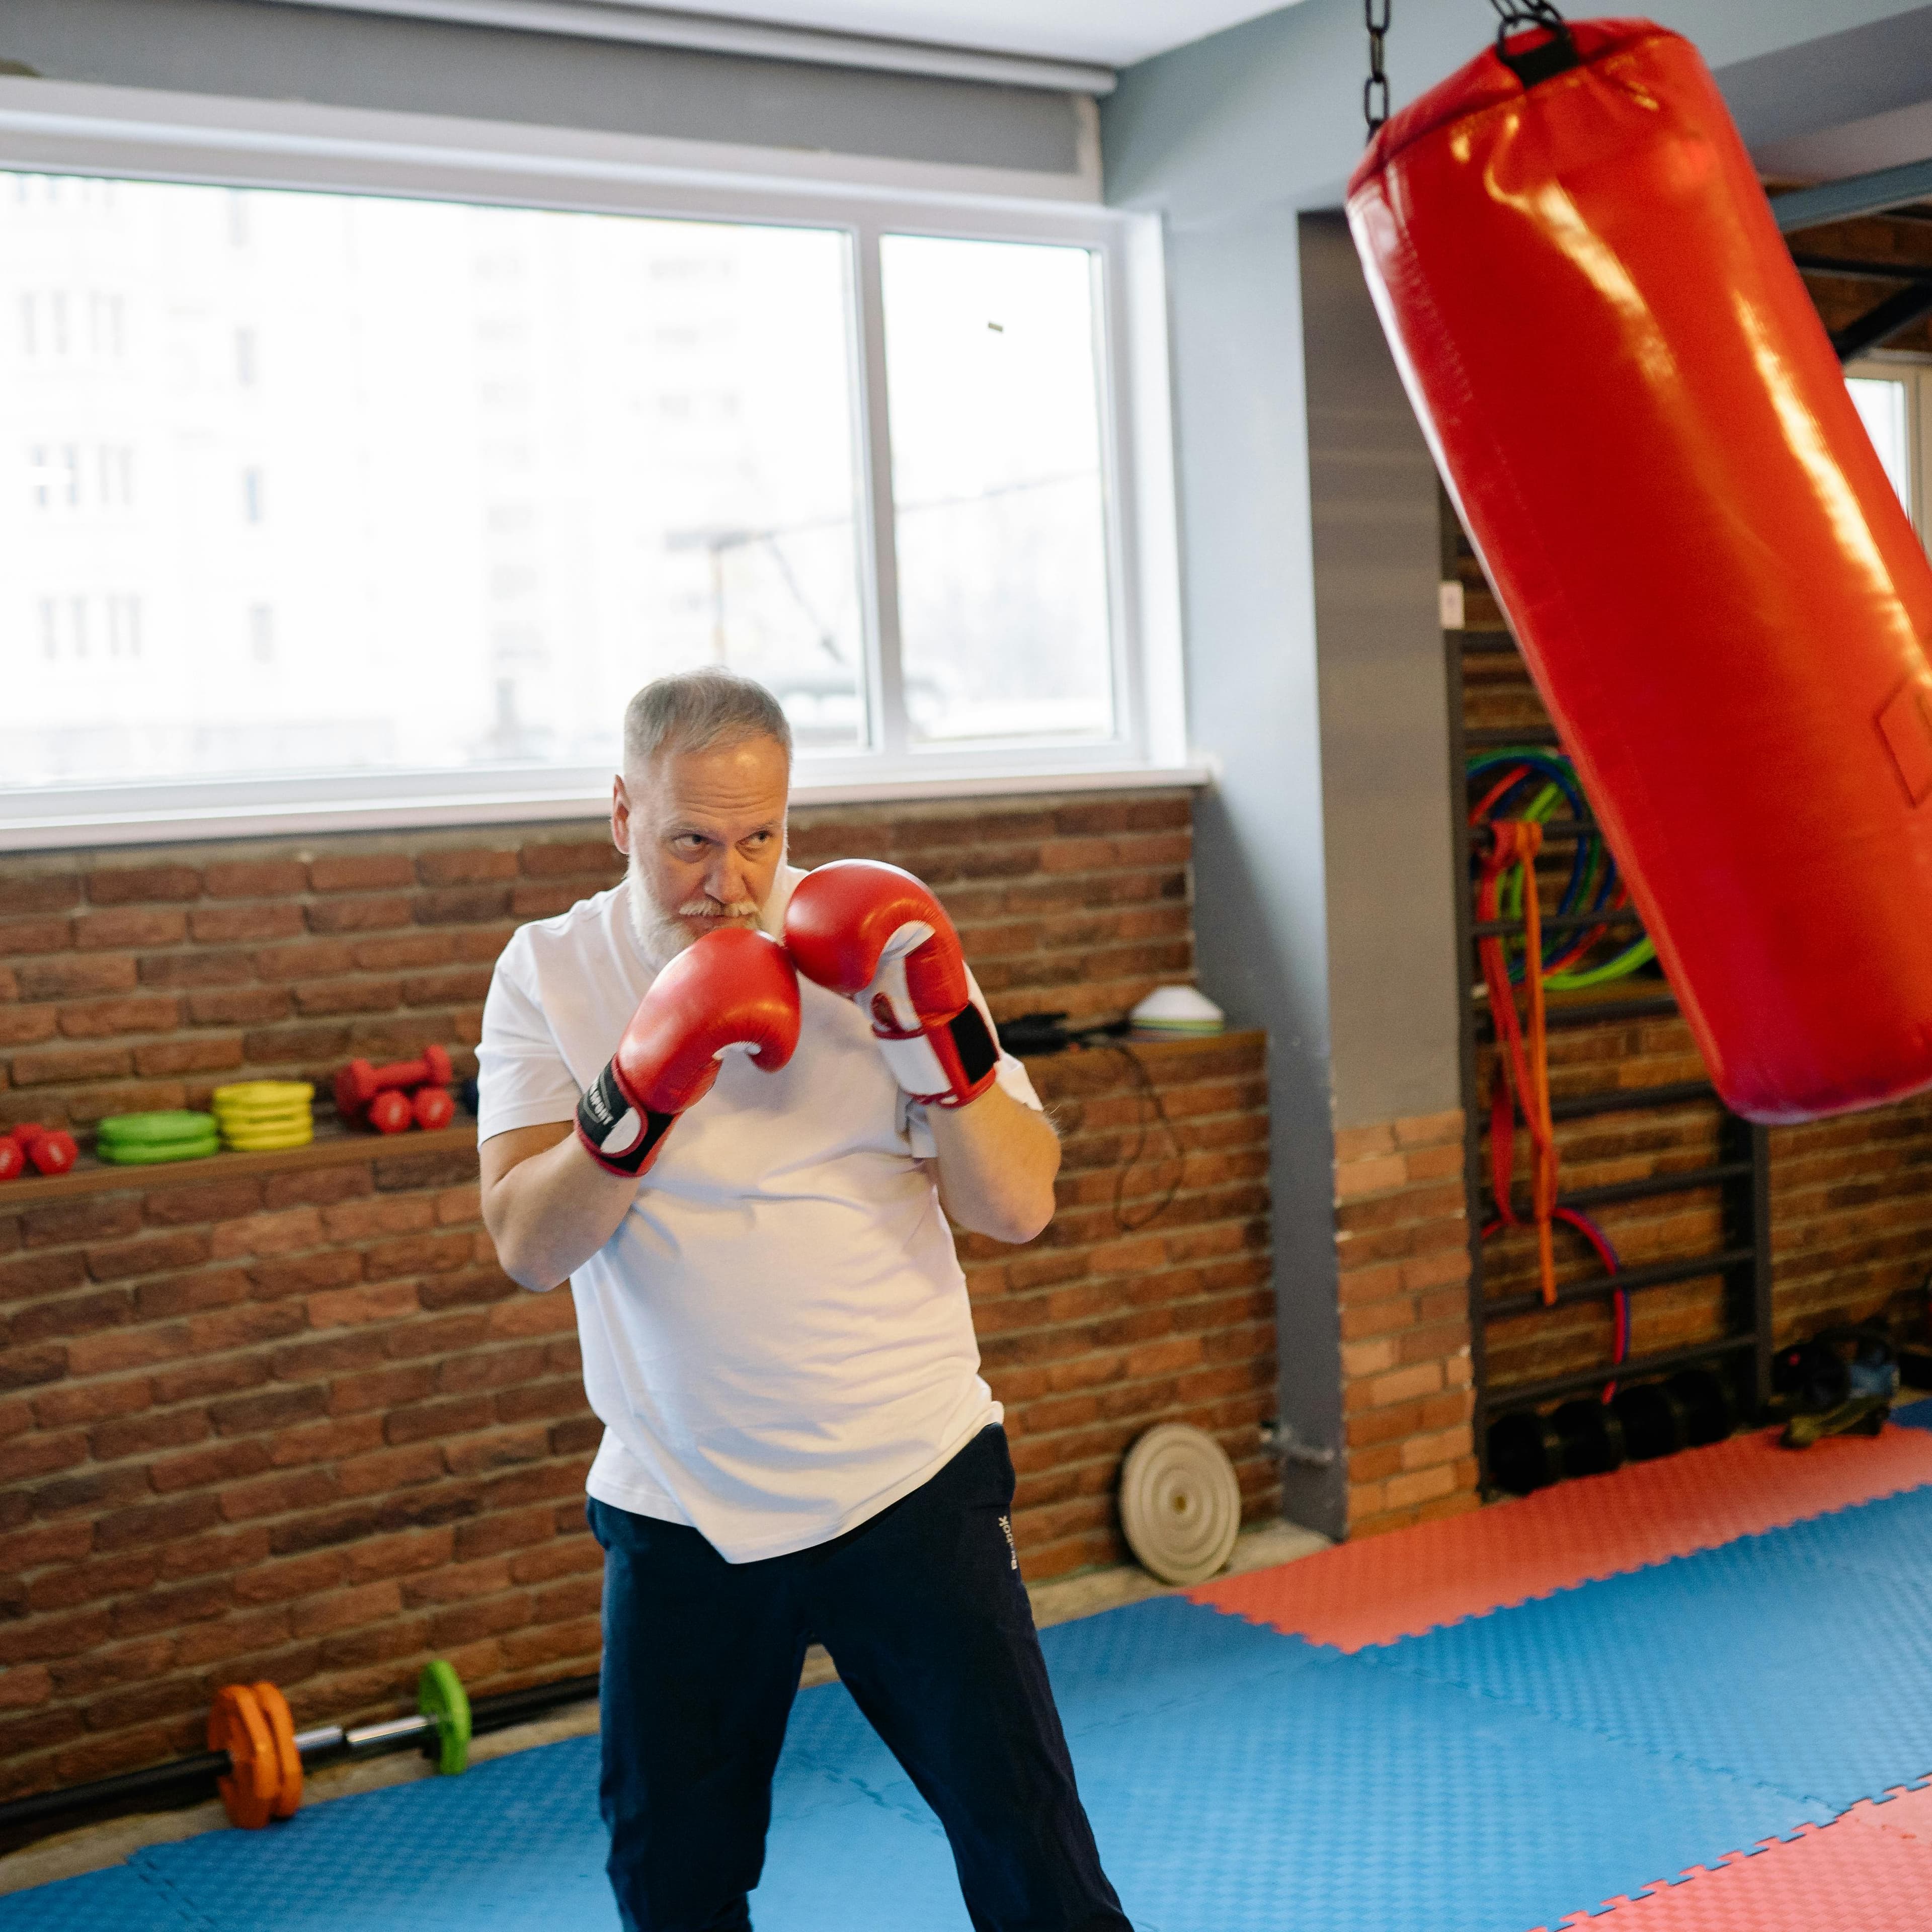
column 1881, row 402
column 335, row 483
column 1000, row 509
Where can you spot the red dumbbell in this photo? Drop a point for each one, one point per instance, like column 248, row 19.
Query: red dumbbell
column 12, row 1160
column 434, row 1108
column 50, row 1150
column 390, row 1112
column 359, row 1083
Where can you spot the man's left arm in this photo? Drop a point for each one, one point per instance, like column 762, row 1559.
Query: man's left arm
column 997, row 1161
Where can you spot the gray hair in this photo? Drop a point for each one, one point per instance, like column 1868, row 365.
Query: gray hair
column 693, row 710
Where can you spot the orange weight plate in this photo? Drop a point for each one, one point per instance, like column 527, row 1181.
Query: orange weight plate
column 275, row 1708
column 236, row 1725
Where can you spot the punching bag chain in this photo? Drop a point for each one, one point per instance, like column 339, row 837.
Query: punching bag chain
column 1375, row 88
column 1556, row 56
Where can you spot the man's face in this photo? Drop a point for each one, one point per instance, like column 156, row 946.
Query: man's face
column 704, row 832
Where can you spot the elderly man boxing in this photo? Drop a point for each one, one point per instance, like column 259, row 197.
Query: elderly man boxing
column 727, row 1099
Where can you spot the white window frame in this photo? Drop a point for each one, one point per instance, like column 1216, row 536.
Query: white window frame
column 131, row 134
column 1914, row 374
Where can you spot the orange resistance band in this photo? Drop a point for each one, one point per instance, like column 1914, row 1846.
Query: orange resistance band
column 1513, row 842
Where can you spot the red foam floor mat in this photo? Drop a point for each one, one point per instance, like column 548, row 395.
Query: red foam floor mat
column 1413, row 1580
column 1857, row 1874
column 1909, row 1813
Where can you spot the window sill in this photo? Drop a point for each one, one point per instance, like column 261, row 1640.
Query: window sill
column 236, row 817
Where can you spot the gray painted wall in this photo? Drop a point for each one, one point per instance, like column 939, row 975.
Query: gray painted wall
column 362, row 60
column 1377, row 551
column 1260, row 875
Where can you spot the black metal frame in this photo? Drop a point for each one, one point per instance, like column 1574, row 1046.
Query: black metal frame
column 1742, row 1174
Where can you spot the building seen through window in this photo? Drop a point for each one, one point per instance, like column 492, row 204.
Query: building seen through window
column 346, row 484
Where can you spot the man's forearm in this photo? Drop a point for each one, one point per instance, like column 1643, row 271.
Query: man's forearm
column 997, row 1162
column 549, row 1208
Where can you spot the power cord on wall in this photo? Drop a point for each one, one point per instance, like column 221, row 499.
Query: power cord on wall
column 1037, row 1036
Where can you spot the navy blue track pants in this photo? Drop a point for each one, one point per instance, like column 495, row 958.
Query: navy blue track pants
column 923, row 1611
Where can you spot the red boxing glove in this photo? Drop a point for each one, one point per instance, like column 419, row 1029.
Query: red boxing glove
column 733, row 988
column 876, row 934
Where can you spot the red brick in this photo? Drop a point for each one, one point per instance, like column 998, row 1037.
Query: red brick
column 91, row 1402
column 182, row 1247
column 256, row 879
column 53, row 1066
column 279, row 1494
column 134, row 885
column 262, row 1233
column 194, row 969
column 347, row 1609
column 338, row 872
column 254, row 1005
column 23, row 1457
column 465, row 868
column 299, row 1577
column 339, row 1307
column 189, row 1056
column 221, row 1463
column 251, row 1414
column 307, row 959
column 244, row 925
column 35, row 1276
column 26, row 1026
column 371, row 914
column 398, row 952
column 129, row 928
column 421, row 1254
column 209, row 1201
column 275, row 1280
column 155, row 1522
column 34, row 935
column 595, row 857
column 195, row 1380
column 97, row 1019
column 41, row 892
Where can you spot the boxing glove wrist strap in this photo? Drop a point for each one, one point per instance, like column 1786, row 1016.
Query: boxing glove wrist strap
column 947, row 1065
column 620, row 1138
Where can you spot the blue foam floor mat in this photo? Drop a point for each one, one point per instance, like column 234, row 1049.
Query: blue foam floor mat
column 1915, row 1414
column 117, row 1900
column 1716, row 1660
column 1487, row 1777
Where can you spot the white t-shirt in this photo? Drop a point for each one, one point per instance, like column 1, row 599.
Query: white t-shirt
column 778, row 1337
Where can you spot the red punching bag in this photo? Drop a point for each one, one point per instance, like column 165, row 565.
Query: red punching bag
column 1725, row 608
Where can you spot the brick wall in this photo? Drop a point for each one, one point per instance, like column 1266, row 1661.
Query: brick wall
column 138, row 980
column 1402, row 1239
column 282, row 1416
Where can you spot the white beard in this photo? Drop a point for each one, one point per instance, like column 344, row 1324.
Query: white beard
column 662, row 936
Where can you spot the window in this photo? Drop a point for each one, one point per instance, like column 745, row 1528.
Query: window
column 999, row 500
column 1892, row 396
column 871, row 448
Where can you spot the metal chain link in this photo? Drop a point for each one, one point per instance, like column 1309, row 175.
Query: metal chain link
column 1514, row 13
column 1375, row 88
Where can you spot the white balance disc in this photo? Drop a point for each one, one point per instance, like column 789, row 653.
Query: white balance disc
column 1180, row 1505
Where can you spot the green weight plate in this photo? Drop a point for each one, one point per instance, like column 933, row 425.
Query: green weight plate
column 441, row 1697
column 175, row 1124
column 136, row 1155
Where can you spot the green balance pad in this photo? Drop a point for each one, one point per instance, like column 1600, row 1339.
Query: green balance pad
column 176, row 1134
